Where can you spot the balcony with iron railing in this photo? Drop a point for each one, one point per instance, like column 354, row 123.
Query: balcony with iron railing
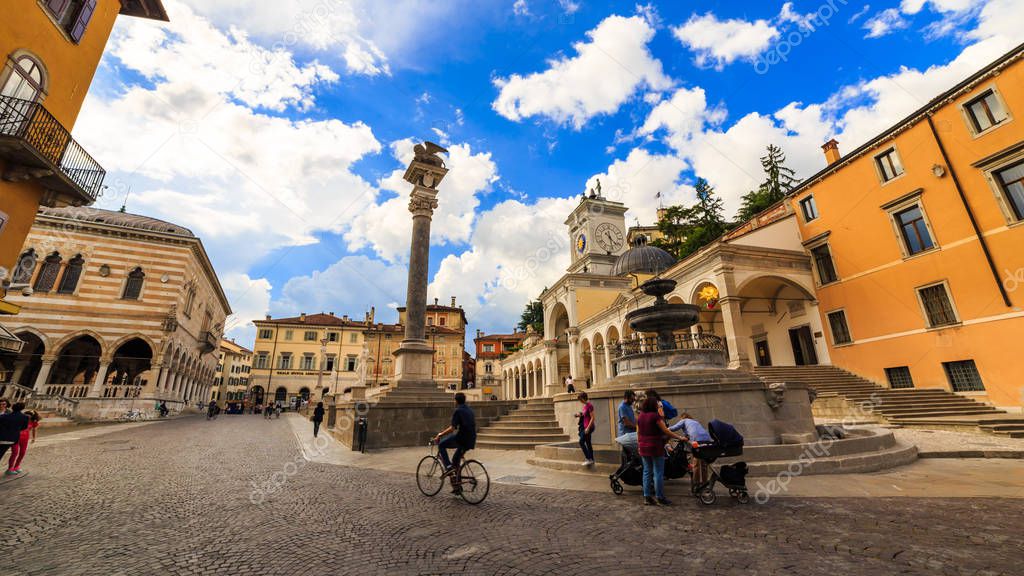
column 35, row 146
column 208, row 342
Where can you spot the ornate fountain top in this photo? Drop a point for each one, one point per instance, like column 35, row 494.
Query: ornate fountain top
column 643, row 259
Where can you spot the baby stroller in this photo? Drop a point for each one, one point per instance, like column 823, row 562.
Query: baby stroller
column 726, row 441
column 631, row 472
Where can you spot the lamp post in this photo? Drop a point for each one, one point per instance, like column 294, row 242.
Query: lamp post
column 323, row 355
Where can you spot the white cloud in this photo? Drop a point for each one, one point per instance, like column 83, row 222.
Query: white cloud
column 520, row 8
column 945, row 6
column 859, row 14
column 569, row 6
column 606, row 71
column 349, row 286
column 636, row 180
column 717, row 43
column 884, row 23
column 249, row 298
column 1000, row 19
column 682, row 116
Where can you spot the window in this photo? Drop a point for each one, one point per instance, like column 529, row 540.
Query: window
column 261, row 361
column 353, row 337
column 190, row 297
column 914, row 230
column 288, row 334
column 985, row 111
column 823, row 262
column 488, row 369
column 937, row 307
column 329, row 365
column 430, row 320
column 899, row 377
column 72, row 272
column 889, row 165
column 133, row 286
column 73, row 16
column 332, row 336
column 963, row 376
column 1011, row 181
column 488, row 347
column 809, row 208
column 350, row 363
column 266, row 334
column 309, row 336
column 307, row 362
column 48, row 274
column 840, row 329
column 285, row 362
column 441, row 321
column 25, row 268
column 25, row 80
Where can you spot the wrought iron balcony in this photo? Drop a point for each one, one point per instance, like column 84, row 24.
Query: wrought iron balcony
column 36, row 146
column 208, row 342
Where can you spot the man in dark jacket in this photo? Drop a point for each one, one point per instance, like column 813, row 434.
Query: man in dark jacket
column 11, row 425
column 460, row 435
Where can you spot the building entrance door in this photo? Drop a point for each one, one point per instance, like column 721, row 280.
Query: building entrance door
column 764, row 356
column 803, row 346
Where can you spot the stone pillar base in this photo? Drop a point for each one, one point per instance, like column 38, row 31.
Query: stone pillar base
column 414, row 360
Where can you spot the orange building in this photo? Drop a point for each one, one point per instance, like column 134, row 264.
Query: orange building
column 50, row 51
column 917, row 242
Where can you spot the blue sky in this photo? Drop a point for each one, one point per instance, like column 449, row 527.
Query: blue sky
column 278, row 131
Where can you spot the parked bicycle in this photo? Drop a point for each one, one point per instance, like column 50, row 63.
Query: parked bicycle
column 133, row 416
column 471, row 480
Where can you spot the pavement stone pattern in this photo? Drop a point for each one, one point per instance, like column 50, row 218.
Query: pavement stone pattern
column 177, row 497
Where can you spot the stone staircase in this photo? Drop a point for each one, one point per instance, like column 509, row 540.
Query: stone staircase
column 531, row 424
column 901, row 406
column 417, row 392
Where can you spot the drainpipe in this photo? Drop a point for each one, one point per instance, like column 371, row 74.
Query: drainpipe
column 970, row 215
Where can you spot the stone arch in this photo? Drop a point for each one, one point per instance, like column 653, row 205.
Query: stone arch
column 77, row 364
column 23, row 368
column 130, row 359
column 77, row 334
column 601, row 358
column 556, row 323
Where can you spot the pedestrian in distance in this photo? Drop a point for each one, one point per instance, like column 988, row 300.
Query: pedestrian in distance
column 586, row 428
column 277, row 410
column 18, row 449
column 570, row 388
column 318, row 417
column 11, row 425
column 651, row 433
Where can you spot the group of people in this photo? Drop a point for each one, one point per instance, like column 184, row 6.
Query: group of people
column 652, row 434
column 271, row 410
column 17, row 429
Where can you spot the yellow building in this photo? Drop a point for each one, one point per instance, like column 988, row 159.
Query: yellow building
column 50, row 52
column 231, row 380
column 305, row 356
column 917, row 240
column 446, row 334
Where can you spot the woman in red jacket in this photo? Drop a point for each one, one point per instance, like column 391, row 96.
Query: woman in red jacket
column 651, row 434
column 18, row 450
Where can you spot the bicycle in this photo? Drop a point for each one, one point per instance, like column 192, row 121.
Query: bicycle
column 471, row 479
column 133, row 416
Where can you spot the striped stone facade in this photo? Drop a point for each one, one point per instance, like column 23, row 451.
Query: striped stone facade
column 115, row 306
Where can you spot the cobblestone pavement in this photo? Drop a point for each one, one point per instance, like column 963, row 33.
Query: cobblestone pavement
column 177, row 497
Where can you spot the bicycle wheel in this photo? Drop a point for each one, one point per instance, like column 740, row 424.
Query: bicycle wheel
column 430, row 476
column 475, row 482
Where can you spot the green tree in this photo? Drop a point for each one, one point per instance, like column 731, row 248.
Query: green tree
column 779, row 180
column 687, row 229
column 533, row 316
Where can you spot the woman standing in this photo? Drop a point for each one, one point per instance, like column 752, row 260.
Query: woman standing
column 318, row 417
column 586, row 428
column 651, row 434
column 19, row 448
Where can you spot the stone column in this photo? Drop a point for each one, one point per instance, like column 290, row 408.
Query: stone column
column 414, row 358
column 44, row 373
column 607, row 363
column 575, row 358
column 551, row 384
column 733, row 319
column 161, row 381
column 96, row 390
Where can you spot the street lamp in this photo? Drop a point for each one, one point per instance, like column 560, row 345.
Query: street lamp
column 323, row 355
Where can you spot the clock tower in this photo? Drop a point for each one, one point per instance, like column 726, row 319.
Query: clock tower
column 597, row 234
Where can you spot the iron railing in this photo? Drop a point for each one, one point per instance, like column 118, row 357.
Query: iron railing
column 679, row 342
column 31, row 123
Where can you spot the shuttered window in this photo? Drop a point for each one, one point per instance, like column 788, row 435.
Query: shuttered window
column 81, row 21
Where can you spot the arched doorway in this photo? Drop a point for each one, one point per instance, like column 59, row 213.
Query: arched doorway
column 779, row 324
column 556, row 329
column 256, row 393
column 124, row 377
column 22, row 368
column 304, row 393
column 280, row 395
column 77, row 364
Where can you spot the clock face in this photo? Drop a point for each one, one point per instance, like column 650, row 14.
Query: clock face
column 609, row 237
column 581, row 243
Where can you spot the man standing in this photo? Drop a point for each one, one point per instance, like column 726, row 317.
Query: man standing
column 627, row 418
column 463, row 440
column 569, row 387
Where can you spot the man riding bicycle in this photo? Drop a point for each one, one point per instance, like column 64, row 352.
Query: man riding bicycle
column 462, row 440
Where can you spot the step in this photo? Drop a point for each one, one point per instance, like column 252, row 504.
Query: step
column 505, row 422
column 512, row 444
column 545, row 437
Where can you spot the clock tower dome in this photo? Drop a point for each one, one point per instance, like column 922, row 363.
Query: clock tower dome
column 597, row 234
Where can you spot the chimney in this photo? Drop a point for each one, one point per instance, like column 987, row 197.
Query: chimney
column 831, row 149
column 453, row 301
column 302, row 316
column 268, row 317
column 435, row 301
column 331, row 313
column 345, row 317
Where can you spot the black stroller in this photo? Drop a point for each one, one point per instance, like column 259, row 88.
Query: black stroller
column 631, row 472
column 726, row 442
